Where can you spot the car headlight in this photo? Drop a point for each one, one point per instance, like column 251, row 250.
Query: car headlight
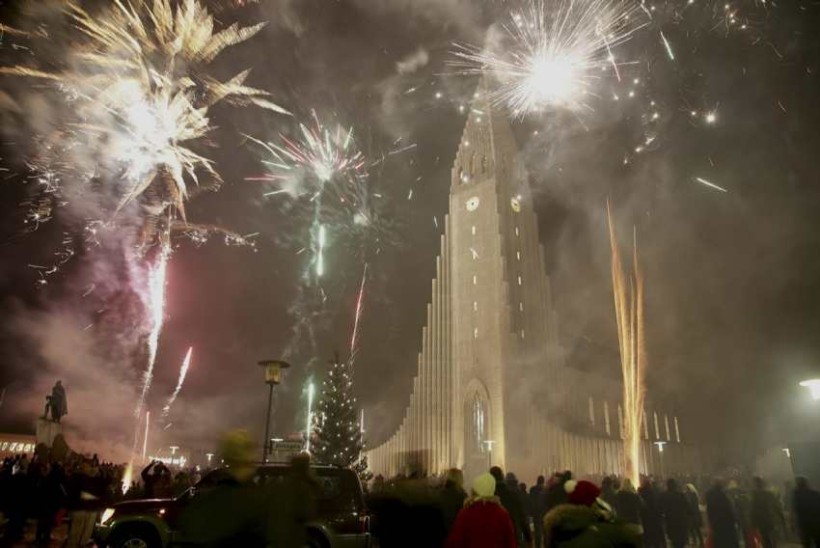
column 106, row 516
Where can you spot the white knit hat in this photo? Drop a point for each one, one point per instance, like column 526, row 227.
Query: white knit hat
column 484, row 486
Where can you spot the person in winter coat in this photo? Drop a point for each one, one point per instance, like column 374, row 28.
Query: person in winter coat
column 538, row 504
column 586, row 522
column 721, row 514
column 806, row 511
column 676, row 514
column 452, row 496
column 653, row 534
column 511, row 501
column 766, row 514
column 483, row 522
column 696, row 523
column 629, row 507
column 556, row 494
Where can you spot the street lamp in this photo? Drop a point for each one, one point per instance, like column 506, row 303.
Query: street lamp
column 489, row 444
column 814, row 388
column 273, row 376
column 660, row 445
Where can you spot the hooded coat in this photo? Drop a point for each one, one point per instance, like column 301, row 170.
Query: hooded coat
column 575, row 526
column 482, row 523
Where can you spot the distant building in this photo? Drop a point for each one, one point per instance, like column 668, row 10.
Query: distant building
column 492, row 387
column 15, row 444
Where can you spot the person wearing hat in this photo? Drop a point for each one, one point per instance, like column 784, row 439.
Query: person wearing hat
column 585, row 521
column 483, row 522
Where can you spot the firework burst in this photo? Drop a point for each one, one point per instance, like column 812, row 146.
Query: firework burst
column 135, row 75
column 549, row 58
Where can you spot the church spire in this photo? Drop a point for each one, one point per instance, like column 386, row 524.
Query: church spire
column 487, row 147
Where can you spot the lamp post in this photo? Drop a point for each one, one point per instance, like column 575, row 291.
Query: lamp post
column 814, row 388
column 273, row 376
column 660, row 445
column 489, row 444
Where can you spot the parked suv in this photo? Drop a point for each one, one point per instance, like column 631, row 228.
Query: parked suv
column 341, row 521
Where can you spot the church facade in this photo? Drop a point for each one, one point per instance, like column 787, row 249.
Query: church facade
column 492, row 387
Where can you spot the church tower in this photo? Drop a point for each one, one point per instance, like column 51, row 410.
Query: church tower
column 500, row 292
column 491, row 386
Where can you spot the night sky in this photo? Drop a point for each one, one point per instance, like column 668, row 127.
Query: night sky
column 732, row 278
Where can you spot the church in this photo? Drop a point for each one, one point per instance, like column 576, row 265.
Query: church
column 492, row 388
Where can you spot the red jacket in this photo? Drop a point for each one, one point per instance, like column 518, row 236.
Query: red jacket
column 482, row 524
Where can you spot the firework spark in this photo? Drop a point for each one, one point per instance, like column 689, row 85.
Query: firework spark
column 136, row 79
column 183, row 371
column 549, row 58
column 321, row 154
column 704, row 182
column 358, row 315
column 629, row 314
column 156, row 306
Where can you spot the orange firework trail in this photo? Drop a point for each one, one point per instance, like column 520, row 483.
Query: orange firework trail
column 629, row 314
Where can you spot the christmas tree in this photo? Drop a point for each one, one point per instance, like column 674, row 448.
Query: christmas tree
column 337, row 435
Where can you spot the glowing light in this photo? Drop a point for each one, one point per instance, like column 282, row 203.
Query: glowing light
column 145, row 437
column 710, row 184
column 183, row 372
column 156, row 306
column 668, row 47
column 126, row 481
column 358, row 313
column 549, row 58
column 814, row 388
column 629, row 315
column 138, row 82
column 308, row 425
column 320, row 253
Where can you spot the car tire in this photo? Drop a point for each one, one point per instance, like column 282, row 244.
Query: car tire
column 136, row 536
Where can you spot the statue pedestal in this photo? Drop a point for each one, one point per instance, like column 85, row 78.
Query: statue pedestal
column 46, row 431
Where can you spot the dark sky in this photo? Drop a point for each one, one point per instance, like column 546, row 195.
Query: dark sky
column 733, row 302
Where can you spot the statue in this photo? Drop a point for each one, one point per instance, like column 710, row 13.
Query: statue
column 56, row 403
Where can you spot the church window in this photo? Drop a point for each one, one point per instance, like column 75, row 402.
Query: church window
column 519, row 280
column 475, row 306
column 479, row 423
column 475, row 279
column 473, row 230
column 518, row 255
column 516, row 231
column 475, row 332
column 521, row 307
column 522, row 333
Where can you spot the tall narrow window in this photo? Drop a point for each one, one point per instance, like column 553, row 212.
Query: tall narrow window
column 522, row 333
column 475, row 332
column 519, row 280
column 473, row 230
column 475, row 279
column 516, row 231
column 475, row 306
column 518, row 255
column 521, row 307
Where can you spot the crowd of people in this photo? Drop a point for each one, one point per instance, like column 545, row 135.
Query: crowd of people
column 44, row 492
column 495, row 510
column 559, row 511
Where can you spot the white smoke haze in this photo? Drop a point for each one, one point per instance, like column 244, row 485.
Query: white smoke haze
column 413, row 62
